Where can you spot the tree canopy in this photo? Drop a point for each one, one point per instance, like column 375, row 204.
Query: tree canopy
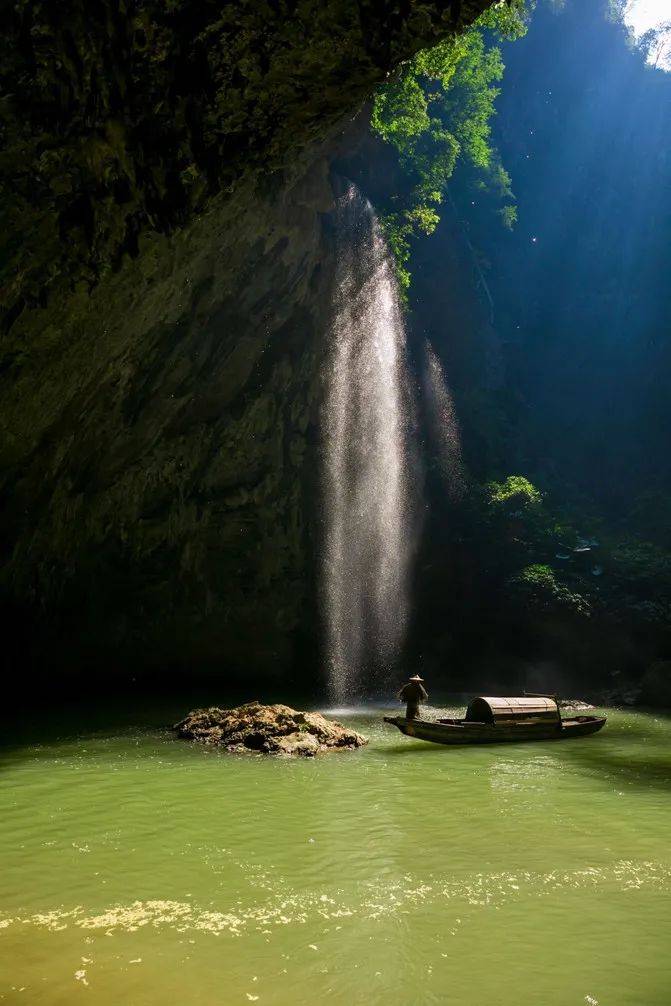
column 438, row 110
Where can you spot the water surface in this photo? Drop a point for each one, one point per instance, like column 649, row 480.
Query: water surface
column 139, row 869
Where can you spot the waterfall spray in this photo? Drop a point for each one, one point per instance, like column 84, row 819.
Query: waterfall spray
column 369, row 541
column 443, row 424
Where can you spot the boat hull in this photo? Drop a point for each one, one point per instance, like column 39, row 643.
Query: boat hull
column 463, row 732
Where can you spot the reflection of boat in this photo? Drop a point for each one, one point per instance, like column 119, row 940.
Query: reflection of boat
column 492, row 720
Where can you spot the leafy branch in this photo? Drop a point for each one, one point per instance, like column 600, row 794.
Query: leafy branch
column 438, row 111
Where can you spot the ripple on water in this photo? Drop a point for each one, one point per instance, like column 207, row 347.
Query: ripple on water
column 373, row 900
column 453, row 853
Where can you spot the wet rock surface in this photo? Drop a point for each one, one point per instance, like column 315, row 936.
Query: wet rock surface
column 275, row 729
column 203, row 388
column 126, row 119
column 166, row 291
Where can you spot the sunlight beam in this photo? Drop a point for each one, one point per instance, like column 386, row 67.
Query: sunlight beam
column 642, row 16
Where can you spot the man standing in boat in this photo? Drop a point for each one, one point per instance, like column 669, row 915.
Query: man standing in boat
column 413, row 693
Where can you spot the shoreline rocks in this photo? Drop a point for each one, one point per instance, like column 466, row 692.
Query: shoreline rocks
column 274, row 729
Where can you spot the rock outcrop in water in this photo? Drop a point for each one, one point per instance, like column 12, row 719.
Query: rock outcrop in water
column 275, row 729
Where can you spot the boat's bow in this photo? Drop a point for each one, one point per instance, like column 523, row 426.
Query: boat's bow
column 405, row 726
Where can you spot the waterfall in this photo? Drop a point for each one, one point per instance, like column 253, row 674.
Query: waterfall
column 369, row 540
column 443, row 424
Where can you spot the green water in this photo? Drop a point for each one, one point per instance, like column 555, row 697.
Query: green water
column 137, row 869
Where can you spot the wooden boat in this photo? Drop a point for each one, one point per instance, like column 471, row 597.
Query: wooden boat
column 495, row 720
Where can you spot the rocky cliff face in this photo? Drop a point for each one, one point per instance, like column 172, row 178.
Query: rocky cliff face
column 166, row 287
column 128, row 115
column 160, row 467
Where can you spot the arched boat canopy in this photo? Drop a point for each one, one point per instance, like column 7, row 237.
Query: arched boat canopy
column 492, row 709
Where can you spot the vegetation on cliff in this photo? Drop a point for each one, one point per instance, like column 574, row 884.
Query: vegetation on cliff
column 545, row 564
column 436, row 111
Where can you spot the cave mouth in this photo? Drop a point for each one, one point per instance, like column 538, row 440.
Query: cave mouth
column 334, row 372
column 194, row 492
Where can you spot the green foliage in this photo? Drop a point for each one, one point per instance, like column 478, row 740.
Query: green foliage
column 536, row 587
column 639, row 582
column 437, row 112
column 616, row 9
column 641, row 562
column 400, row 112
column 508, row 216
column 536, row 577
column 536, row 554
column 515, row 490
